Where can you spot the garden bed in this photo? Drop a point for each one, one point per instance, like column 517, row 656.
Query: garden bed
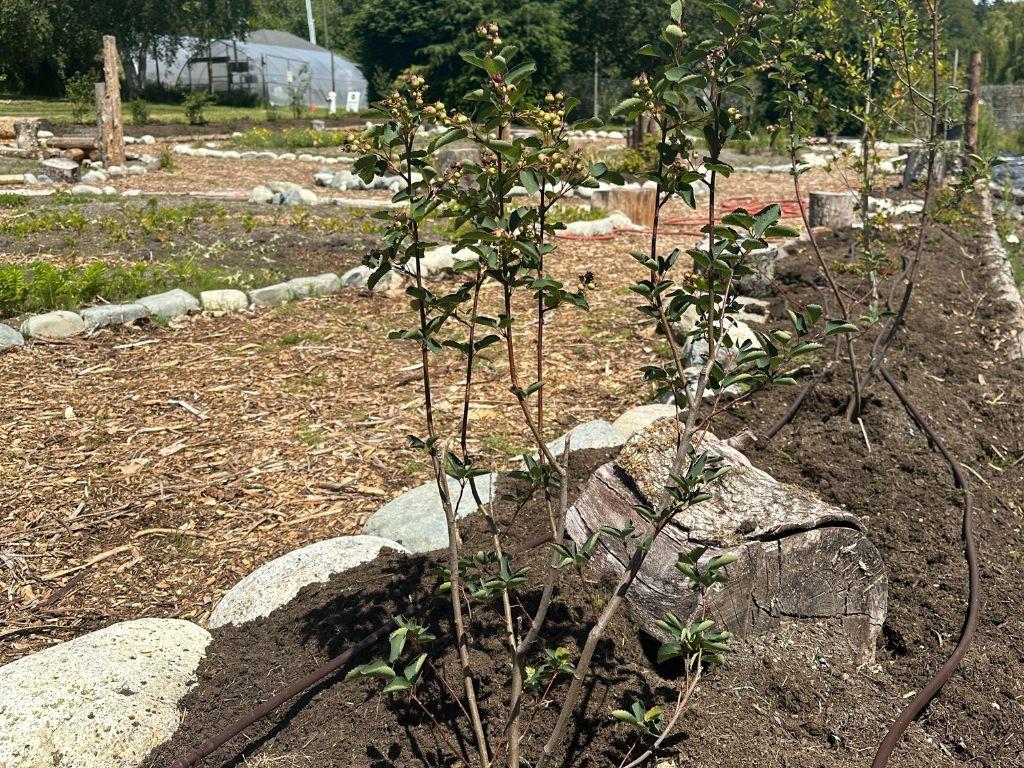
column 790, row 697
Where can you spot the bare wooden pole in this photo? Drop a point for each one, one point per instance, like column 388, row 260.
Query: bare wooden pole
column 111, row 127
column 971, row 104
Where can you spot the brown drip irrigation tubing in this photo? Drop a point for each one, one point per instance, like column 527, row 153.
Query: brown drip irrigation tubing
column 926, row 694
column 209, row 746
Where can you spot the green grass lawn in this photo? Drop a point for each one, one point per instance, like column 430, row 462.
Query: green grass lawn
column 59, row 111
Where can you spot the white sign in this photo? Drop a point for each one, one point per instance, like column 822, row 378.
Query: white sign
column 352, row 102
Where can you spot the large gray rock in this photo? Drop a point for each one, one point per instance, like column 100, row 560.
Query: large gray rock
column 641, row 417
column 359, row 277
column 275, row 583
column 102, row 700
column 272, row 295
column 60, row 324
column 416, row 518
column 86, row 189
column 438, row 262
column 9, row 337
column 170, row 304
column 317, row 285
column 112, row 314
column 590, row 434
column 225, row 300
column 599, row 227
column 799, row 558
column 283, row 186
column 261, row 194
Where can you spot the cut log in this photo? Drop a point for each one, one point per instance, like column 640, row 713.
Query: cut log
column 72, row 142
column 634, row 202
column 831, row 209
column 800, row 559
column 61, row 170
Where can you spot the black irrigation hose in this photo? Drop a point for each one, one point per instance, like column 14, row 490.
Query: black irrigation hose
column 279, row 698
column 790, row 412
column 214, row 743
column 926, row 694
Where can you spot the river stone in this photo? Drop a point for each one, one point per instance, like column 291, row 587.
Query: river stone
column 102, row 700
column 170, row 304
column 641, row 417
column 9, row 337
column 599, row 227
column 799, row 557
column 283, row 186
column 359, row 277
column 437, row 262
column 275, row 583
column 60, row 324
column 86, row 189
column 261, row 194
column 112, row 314
column 272, row 295
column 317, row 285
column 225, row 300
column 416, row 519
column 92, row 177
column 590, row 434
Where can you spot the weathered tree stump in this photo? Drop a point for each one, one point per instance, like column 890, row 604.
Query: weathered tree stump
column 759, row 283
column 61, row 170
column 635, row 202
column 799, row 558
column 834, row 210
column 27, row 134
column 915, row 169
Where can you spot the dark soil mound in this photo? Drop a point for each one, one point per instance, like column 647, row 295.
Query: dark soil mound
column 788, row 699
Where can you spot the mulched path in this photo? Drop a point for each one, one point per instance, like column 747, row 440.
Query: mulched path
column 117, row 503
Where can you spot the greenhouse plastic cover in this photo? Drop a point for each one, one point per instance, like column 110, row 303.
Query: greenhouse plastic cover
column 271, row 63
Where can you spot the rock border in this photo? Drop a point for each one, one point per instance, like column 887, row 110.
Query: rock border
column 998, row 261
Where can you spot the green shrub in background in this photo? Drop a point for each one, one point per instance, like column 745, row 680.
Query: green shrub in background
column 195, row 106
column 139, row 110
column 81, row 92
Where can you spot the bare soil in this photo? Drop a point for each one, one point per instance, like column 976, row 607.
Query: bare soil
column 786, row 699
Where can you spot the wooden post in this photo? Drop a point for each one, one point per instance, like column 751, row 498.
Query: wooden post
column 971, row 103
column 111, row 127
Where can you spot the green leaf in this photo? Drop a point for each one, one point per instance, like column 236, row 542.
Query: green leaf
column 375, row 668
column 446, row 138
column 832, row 327
column 397, row 685
column 726, row 12
column 529, row 181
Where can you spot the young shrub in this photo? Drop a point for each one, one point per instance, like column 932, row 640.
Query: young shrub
column 195, row 106
column 80, row 91
column 510, row 242
column 139, row 110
